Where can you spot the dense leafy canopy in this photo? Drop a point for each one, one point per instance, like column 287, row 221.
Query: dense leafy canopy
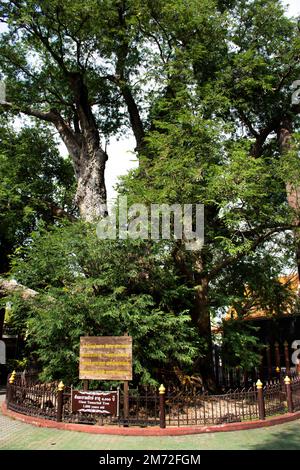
column 97, row 287
column 34, row 181
column 206, row 89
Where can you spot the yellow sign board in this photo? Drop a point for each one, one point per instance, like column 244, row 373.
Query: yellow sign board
column 105, row 358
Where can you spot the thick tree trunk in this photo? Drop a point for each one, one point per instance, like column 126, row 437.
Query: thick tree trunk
column 89, row 162
column 91, row 191
column 201, row 320
column 134, row 116
column 200, row 313
column 89, row 159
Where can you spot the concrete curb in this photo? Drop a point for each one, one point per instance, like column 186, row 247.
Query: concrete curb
column 151, row 431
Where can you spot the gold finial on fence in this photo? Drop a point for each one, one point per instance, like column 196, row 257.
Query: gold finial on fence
column 287, row 380
column 12, row 377
column 60, row 386
column 161, row 389
column 277, row 370
column 259, row 384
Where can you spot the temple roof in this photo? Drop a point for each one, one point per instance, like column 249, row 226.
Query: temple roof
column 256, row 312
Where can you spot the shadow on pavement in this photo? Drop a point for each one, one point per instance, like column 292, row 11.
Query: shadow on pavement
column 282, row 440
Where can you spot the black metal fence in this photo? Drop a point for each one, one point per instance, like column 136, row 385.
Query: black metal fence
column 275, row 399
column 295, row 388
column 143, row 409
column 35, row 399
column 275, row 361
column 204, row 409
column 178, row 407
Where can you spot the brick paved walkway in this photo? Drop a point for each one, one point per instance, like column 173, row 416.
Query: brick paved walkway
column 16, row 435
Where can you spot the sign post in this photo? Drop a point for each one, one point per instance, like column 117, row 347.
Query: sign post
column 126, row 399
column 85, row 385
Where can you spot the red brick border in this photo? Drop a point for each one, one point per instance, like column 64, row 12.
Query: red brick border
column 151, row 431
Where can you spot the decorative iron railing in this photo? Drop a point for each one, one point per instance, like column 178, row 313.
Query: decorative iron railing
column 25, row 394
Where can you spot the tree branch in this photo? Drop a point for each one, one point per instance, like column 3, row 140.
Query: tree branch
column 10, row 286
column 233, row 259
column 49, row 116
column 134, row 115
column 248, row 123
column 58, row 59
column 58, row 212
column 69, row 137
column 257, row 147
column 122, row 82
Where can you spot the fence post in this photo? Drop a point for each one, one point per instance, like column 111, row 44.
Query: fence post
column 277, row 355
column 289, row 396
column 287, row 358
column 162, row 410
column 278, row 374
column 260, row 400
column 60, row 401
column 9, row 389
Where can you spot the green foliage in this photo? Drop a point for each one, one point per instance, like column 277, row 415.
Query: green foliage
column 240, row 345
column 45, row 43
column 221, row 74
column 254, row 282
column 97, row 287
column 244, row 197
column 200, row 149
column 33, row 178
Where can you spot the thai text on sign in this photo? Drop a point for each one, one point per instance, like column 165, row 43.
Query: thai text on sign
column 105, row 358
column 105, row 403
